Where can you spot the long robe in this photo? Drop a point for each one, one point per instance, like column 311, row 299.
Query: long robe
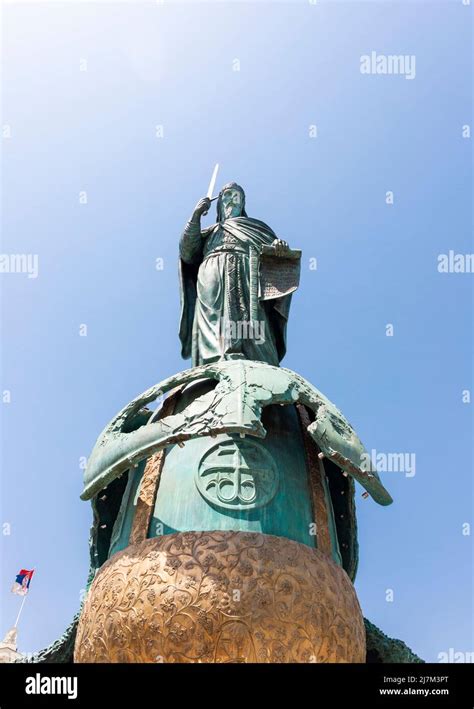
column 220, row 316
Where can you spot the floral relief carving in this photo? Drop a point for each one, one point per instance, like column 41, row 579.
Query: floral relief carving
column 220, row 597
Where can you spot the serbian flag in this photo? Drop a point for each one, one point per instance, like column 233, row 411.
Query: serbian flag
column 22, row 582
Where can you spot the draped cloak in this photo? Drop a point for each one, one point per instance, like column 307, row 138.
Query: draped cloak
column 216, row 281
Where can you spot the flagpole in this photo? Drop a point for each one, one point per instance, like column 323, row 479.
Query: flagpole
column 19, row 612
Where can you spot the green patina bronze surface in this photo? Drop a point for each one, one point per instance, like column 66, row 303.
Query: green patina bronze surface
column 221, row 296
column 226, row 482
column 234, row 406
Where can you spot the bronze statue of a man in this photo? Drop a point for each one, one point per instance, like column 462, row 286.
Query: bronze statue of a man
column 227, row 310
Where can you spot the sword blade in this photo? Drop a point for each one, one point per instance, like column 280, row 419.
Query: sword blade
column 212, row 183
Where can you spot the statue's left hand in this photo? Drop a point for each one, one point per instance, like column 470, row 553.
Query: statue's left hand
column 280, row 246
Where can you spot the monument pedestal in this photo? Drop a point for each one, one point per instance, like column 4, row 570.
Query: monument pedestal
column 220, row 534
column 220, row 597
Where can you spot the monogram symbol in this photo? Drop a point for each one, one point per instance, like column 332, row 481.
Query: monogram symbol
column 237, row 475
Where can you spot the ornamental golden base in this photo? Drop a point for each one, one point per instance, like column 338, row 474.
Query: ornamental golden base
column 220, row 597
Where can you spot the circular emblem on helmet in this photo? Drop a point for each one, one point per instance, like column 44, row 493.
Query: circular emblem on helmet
column 237, row 474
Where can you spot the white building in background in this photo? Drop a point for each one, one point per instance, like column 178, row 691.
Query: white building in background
column 8, row 648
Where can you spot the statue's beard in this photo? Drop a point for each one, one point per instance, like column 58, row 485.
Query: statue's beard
column 232, row 210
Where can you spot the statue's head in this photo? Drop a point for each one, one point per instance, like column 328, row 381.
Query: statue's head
column 231, row 202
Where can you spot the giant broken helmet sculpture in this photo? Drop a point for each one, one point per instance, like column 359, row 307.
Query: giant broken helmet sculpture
column 224, row 519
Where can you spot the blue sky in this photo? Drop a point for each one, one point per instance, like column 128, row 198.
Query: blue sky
column 95, row 130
